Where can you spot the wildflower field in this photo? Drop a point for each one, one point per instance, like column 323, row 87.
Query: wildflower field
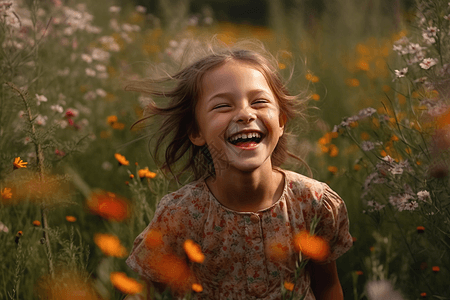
column 78, row 182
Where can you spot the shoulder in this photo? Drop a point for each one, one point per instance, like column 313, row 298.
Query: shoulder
column 304, row 188
column 189, row 194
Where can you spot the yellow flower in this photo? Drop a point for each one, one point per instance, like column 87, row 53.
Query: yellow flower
column 289, row 286
column 125, row 284
column 71, row 219
column 6, row 193
column 193, row 251
column 281, row 66
column 121, row 159
column 110, row 245
column 18, row 163
column 197, row 287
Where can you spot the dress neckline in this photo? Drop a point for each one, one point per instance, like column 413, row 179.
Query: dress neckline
column 214, row 199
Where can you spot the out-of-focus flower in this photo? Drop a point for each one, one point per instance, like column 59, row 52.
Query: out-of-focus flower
column 153, row 239
column 90, row 72
column 40, row 98
column 71, row 219
column 106, row 165
column 312, row 78
column 332, row 169
column 41, row 120
column 65, row 285
column 428, row 63
column 86, row 57
column 382, row 290
column 72, row 113
column 101, row 92
column 111, row 120
column 141, row 9
column 121, row 159
column 115, row 9
column 312, row 246
column 315, row 97
column 118, row 125
column 110, row 245
column 420, row 229
column 193, row 251
column 172, row 271
column 18, row 236
column 352, row 82
column 3, row 228
column 36, row 223
column 197, row 287
column 429, row 35
column 145, row 173
column 359, row 273
column 277, row 251
column 423, row 295
column 367, row 145
column 57, row 108
column 109, row 206
column 435, row 269
column 289, row 286
column 125, row 284
column 18, row 163
column 6, row 193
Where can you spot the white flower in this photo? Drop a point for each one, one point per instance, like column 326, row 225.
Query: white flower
column 401, row 73
column 100, row 55
column 107, row 166
column 101, row 92
column 3, row 228
column 102, row 75
column 41, row 120
column 366, row 112
column 423, row 195
column 115, row 9
column 57, row 108
column 382, row 290
column 114, row 25
column 428, row 63
column 173, row 43
column 397, row 170
column 86, row 57
column 40, row 98
column 127, row 27
column 62, row 123
column 91, row 95
column 375, row 206
column 414, row 48
column 367, row 146
column 90, row 72
column 64, row 72
column 100, row 68
column 141, row 9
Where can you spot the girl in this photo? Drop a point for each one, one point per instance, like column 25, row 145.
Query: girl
column 228, row 112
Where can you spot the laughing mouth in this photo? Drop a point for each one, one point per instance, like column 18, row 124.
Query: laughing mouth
column 246, row 138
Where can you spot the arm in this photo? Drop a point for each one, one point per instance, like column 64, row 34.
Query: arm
column 325, row 282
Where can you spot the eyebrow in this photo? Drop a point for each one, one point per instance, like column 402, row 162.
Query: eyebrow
column 229, row 95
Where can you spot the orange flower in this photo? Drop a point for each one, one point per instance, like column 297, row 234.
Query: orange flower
column 71, row 219
column 357, row 167
column 172, row 271
column 352, row 82
column 153, row 239
column 312, row 246
column 193, row 251
column 289, row 286
column 359, row 273
column 109, row 206
column 146, row 173
column 420, row 229
column 36, row 223
column 118, row 126
column 332, row 169
column 6, row 193
column 334, row 151
column 131, row 176
column 281, row 66
column 365, row 136
column 196, row 287
column 18, row 163
column 121, row 159
column 315, row 97
column 423, row 295
column 111, row 120
column 435, row 269
column 125, row 284
column 110, row 245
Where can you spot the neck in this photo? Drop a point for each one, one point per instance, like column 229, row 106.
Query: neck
column 247, row 191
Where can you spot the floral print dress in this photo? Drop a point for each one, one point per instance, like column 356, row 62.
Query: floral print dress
column 248, row 255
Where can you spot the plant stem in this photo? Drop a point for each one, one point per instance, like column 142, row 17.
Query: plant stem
column 40, row 171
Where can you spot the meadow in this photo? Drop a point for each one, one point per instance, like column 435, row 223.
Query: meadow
column 78, row 182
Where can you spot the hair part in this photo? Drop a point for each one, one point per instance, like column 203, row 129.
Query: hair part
column 179, row 118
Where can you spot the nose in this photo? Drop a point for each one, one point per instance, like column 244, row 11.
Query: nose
column 245, row 115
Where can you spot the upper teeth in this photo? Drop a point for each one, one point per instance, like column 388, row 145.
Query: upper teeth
column 245, row 136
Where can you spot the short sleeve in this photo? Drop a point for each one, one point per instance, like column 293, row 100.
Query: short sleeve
column 334, row 224
column 161, row 240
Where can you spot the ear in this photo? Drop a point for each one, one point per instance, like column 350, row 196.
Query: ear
column 197, row 139
column 283, row 120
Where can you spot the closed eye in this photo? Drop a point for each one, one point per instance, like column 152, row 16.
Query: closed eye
column 221, row 106
column 259, row 101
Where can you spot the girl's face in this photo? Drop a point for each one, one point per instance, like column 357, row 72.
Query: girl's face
column 238, row 118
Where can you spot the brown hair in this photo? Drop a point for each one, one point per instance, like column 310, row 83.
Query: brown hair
column 179, row 120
